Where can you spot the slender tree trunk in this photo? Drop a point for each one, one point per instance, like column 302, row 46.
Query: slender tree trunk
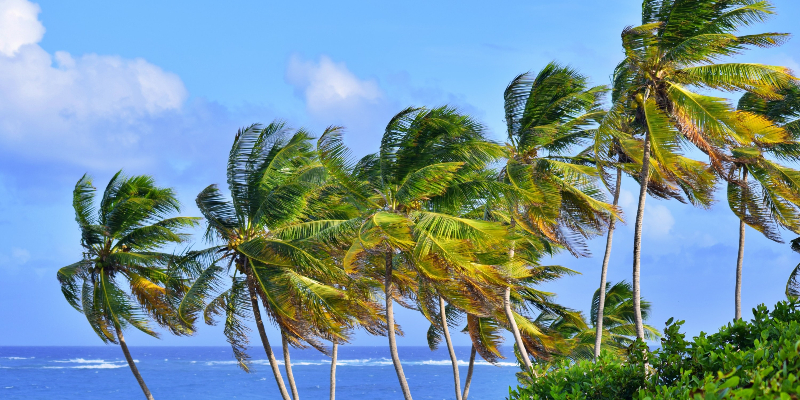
column 287, row 363
column 740, row 258
column 517, row 336
column 387, row 288
column 333, row 369
column 739, row 262
column 453, row 359
column 510, row 315
column 644, row 176
column 603, row 272
column 132, row 364
column 273, row 363
column 469, row 372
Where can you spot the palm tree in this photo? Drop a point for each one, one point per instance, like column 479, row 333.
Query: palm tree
column 398, row 237
column 552, row 197
column 619, row 327
column 772, row 199
column 274, row 181
column 121, row 240
column 675, row 49
column 793, row 284
column 623, row 154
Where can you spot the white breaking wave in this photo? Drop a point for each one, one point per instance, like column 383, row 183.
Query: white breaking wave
column 95, row 366
column 17, row 358
column 89, row 364
column 368, row 362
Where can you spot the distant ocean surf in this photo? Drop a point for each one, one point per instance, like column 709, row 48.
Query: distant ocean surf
column 200, row 373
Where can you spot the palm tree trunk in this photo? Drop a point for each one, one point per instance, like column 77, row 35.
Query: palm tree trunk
column 333, row 369
column 387, row 289
column 469, row 372
column 644, row 176
column 603, row 272
column 517, row 336
column 740, row 258
column 132, row 364
column 739, row 262
column 510, row 314
column 453, row 359
column 287, row 363
column 273, row 363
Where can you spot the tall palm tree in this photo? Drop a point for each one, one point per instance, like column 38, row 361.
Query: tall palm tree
column 772, row 199
column 623, row 154
column 123, row 280
column 274, row 180
column 398, row 237
column 674, row 50
column 552, row 196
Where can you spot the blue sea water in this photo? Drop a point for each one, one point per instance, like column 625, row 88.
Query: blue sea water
column 204, row 373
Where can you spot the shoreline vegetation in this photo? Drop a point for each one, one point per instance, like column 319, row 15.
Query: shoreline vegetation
column 444, row 221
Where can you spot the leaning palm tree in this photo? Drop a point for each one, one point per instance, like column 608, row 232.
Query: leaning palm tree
column 123, row 280
column 398, row 237
column 771, row 200
column 674, row 50
column 551, row 196
column 273, row 178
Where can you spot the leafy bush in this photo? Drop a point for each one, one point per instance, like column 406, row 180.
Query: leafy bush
column 759, row 359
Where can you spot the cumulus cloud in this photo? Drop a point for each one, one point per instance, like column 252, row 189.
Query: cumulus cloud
column 336, row 96
column 18, row 25
column 329, row 86
column 73, row 107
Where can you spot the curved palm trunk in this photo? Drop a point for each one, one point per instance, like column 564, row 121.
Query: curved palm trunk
column 273, row 363
column 644, row 176
column 387, row 290
column 453, row 359
column 603, row 272
column 132, row 364
column 287, row 363
column 510, row 315
column 334, row 352
column 515, row 330
column 740, row 259
column 469, row 372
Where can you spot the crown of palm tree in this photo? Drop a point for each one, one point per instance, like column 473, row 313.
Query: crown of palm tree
column 274, row 180
column 675, row 50
column 121, row 240
column 552, row 194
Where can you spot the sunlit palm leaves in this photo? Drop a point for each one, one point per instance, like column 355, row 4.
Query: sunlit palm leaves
column 551, row 194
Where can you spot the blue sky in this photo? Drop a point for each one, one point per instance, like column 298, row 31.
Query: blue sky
column 160, row 88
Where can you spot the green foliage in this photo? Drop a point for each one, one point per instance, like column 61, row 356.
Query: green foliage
column 612, row 377
column 123, row 280
column 744, row 360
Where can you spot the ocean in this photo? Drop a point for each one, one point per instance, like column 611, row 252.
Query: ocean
column 205, row 373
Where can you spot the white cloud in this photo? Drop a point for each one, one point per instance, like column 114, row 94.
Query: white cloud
column 19, row 25
column 329, row 86
column 62, row 106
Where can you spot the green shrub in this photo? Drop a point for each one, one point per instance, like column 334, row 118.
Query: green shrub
column 759, row 359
